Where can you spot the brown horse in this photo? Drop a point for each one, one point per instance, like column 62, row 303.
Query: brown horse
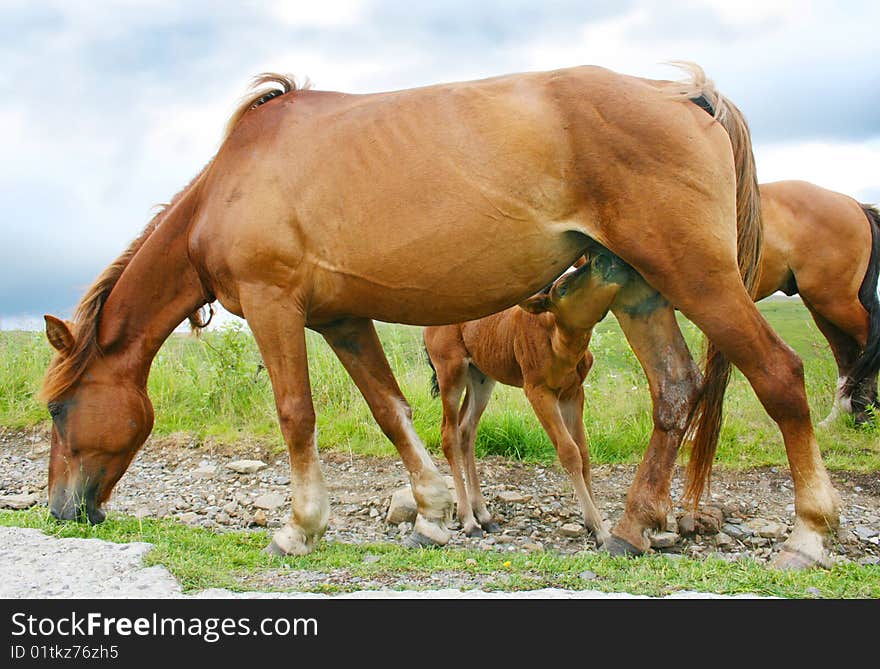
column 429, row 206
column 542, row 347
column 826, row 246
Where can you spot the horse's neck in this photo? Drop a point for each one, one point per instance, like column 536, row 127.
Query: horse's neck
column 157, row 290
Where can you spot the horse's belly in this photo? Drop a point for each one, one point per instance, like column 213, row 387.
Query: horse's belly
column 452, row 276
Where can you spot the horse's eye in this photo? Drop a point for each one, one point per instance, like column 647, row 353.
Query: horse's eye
column 55, row 409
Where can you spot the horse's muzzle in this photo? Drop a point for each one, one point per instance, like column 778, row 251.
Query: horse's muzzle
column 76, row 504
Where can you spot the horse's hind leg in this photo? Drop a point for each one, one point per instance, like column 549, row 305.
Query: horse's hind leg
column 723, row 310
column 280, row 334
column 648, row 322
column 358, row 348
column 845, row 325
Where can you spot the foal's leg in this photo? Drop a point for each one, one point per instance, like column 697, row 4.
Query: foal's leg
column 572, row 410
column 479, row 390
column 358, row 348
column 280, row 334
column 452, row 373
column 546, row 406
column 648, row 322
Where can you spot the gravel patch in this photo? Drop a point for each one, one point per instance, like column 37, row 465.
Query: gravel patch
column 748, row 515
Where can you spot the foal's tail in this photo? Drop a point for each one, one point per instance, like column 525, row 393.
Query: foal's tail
column 867, row 365
column 704, row 425
column 435, row 385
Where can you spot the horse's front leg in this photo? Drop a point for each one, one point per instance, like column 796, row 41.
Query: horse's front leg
column 648, row 322
column 358, row 348
column 279, row 330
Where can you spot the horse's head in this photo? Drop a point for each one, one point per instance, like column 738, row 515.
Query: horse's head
column 581, row 298
column 98, row 423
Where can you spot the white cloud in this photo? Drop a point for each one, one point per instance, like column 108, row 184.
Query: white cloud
column 850, row 168
column 323, row 14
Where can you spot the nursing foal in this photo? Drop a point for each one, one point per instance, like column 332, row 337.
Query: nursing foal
column 540, row 346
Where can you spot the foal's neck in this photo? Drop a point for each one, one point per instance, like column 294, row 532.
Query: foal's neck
column 570, row 343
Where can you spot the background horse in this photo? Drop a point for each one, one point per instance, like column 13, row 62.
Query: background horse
column 826, row 246
column 429, row 206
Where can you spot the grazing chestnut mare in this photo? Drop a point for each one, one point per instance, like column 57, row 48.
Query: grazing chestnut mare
column 542, row 347
column 826, row 246
column 430, row 206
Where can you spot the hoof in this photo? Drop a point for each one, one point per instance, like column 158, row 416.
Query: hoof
column 491, row 527
column 475, row 532
column 619, row 547
column 274, row 549
column 790, row 559
column 419, row 540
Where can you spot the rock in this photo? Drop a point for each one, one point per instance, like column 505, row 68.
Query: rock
column 374, row 512
column 230, row 508
column 767, row 528
column 723, row 540
column 205, row 471
column 260, row 518
column 142, row 512
column 870, row 560
column 246, row 466
column 18, row 501
column 513, row 497
column 222, row 518
column 269, row 501
column 588, row 575
column 739, row 532
column 664, row 540
column 671, row 523
column 505, row 539
column 402, row 508
column 188, row 518
column 571, row 530
column 470, row 562
column 864, row 533
column 450, row 482
column 706, row 520
column 533, row 546
column 371, row 559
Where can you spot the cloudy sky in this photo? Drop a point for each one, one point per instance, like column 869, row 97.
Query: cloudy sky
column 110, row 107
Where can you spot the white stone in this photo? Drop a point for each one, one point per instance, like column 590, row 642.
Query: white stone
column 513, row 497
column 246, row 466
column 402, row 508
column 269, row 501
column 18, row 501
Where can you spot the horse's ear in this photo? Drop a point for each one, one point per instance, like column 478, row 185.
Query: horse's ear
column 537, row 304
column 58, row 334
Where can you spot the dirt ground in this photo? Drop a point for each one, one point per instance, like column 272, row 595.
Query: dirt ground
column 194, row 484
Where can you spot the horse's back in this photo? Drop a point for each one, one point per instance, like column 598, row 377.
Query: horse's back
column 820, row 236
column 449, row 179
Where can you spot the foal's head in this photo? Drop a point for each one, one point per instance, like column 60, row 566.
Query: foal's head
column 581, row 298
column 100, row 418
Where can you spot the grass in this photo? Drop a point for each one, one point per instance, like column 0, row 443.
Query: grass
column 215, row 389
column 201, row 559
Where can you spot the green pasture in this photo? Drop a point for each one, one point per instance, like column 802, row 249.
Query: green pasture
column 200, row 559
column 213, row 388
